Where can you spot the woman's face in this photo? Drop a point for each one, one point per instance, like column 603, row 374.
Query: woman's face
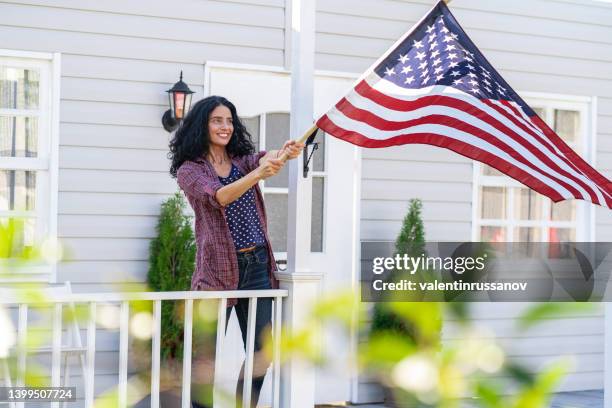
column 220, row 126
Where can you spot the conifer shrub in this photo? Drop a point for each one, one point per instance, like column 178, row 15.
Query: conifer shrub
column 410, row 241
column 171, row 265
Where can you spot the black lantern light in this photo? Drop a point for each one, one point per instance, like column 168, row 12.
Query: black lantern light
column 180, row 103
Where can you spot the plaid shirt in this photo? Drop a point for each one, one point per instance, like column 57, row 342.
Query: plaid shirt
column 216, row 261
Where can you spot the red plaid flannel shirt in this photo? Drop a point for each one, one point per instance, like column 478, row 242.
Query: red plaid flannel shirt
column 216, row 261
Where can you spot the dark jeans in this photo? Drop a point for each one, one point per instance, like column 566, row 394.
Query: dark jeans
column 253, row 274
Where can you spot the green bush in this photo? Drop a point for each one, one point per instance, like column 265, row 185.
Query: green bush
column 171, row 265
column 410, row 241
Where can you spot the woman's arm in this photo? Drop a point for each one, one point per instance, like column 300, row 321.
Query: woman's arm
column 291, row 147
column 233, row 191
column 270, row 154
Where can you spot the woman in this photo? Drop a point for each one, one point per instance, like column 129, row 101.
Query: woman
column 215, row 163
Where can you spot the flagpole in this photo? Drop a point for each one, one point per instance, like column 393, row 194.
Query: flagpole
column 371, row 69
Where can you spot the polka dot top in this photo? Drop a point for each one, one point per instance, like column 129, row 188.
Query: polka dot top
column 241, row 215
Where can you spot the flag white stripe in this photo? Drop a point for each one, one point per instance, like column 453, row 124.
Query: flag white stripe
column 405, row 94
column 396, row 116
column 342, row 121
column 527, row 122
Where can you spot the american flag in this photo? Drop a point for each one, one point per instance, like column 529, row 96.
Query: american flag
column 435, row 87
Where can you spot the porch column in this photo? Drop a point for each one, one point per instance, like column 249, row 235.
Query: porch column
column 297, row 375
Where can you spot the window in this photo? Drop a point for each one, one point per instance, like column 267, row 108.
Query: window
column 505, row 210
column 28, row 151
column 269, row 132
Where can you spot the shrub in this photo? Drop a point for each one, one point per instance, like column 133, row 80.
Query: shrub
column 410, row 241
column 171, row 265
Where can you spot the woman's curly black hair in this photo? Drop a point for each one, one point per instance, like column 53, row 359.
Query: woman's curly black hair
column 192, row 140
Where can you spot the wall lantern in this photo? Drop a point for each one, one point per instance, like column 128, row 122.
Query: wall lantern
column 180, row 103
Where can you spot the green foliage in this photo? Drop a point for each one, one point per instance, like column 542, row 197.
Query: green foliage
column 543, row 311
column 12, row 241
column 397, row 317
column 411, row 239
column 171, row 265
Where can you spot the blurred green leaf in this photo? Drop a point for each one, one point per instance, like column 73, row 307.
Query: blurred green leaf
column 489, row 394
column 520, row 374
column 341, row 307
column 543, row 311
column 385, row 349
column 425, row 316
column 538, row 396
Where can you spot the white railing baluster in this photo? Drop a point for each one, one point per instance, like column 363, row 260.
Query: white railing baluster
column 248, row 363
column 124, row 320
column 56, row 349
column 156, row 350
column 276, row 348
column 186, row 390
column 22, row 335
column 91, row 356
column 221, row 317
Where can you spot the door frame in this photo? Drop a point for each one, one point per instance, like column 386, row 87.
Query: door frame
column 284, row 105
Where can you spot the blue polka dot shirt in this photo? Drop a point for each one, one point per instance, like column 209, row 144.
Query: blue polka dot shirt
column 241, row 215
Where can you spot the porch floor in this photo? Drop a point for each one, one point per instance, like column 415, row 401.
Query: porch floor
column 582, row 399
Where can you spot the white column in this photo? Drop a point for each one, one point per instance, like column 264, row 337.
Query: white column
column 297, row 375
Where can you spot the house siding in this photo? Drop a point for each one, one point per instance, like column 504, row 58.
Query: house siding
column 548, row 46
column 118, row 59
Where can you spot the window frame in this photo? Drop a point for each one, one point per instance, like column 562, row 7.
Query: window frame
column 282, row 255
column 585, row 220
column 45, row 164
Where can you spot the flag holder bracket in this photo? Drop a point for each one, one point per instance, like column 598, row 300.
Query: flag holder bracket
column 308, row 139
column 308, row 157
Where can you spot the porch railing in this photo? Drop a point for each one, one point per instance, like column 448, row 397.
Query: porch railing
column 123, row 299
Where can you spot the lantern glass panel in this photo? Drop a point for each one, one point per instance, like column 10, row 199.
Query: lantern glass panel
column 187, row 103
column 171, row 99
column 179, row 105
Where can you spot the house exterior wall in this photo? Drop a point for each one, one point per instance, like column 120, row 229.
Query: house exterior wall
column 118, row 58
column 557, row 47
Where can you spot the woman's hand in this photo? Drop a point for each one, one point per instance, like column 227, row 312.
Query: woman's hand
column 269, row 168
column 291, row 149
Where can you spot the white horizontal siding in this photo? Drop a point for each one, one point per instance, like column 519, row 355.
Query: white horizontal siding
column 561, row 47
column 118, row 59
column 110, row 181
column 392, row 176
column 109, row 203
column 103, row 271
column 250, row 13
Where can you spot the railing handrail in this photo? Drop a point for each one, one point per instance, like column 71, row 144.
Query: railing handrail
column 18, row 296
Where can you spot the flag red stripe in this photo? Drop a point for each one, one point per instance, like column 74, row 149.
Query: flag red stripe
column 460, row 147
column 375, row 121
column 534, row 134
column 568, row 155
column 386, row 101
column 573, row 158
column 563, row 157
column 591, row 172
column 605, row 186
